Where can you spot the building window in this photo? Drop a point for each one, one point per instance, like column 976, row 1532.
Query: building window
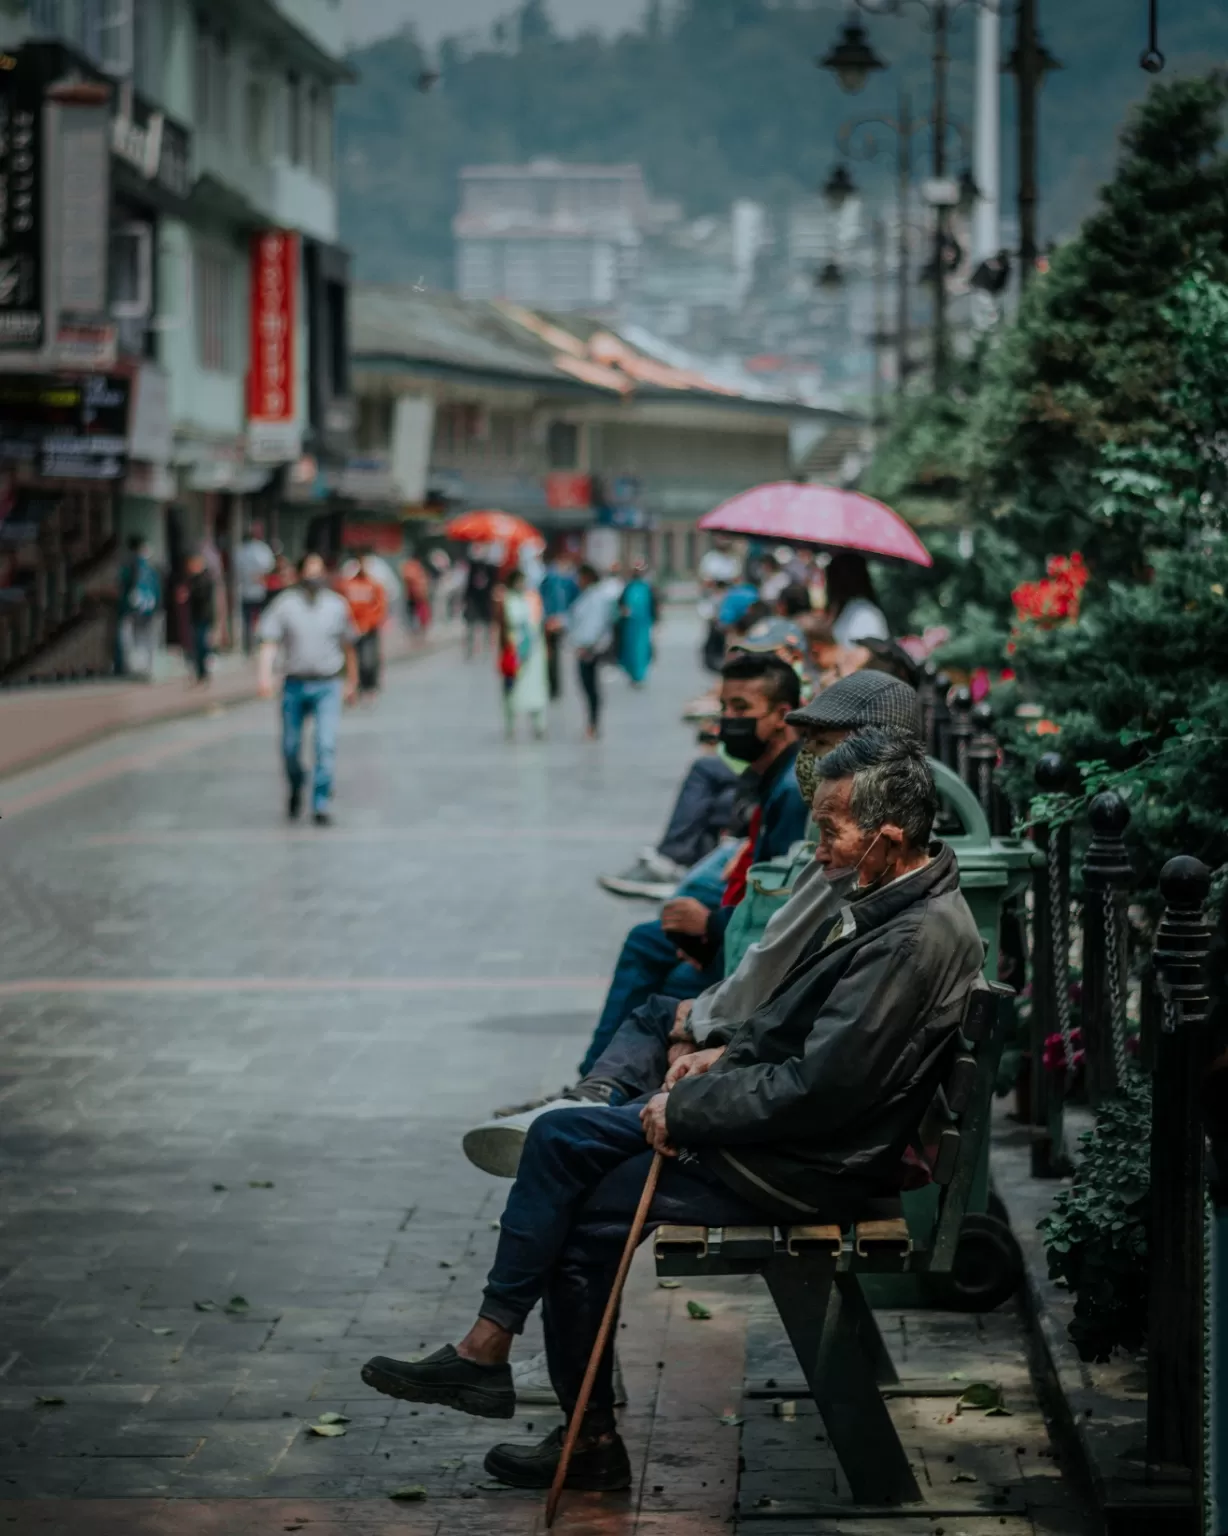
column 373, row 429
column 212, row 78
column 294, row 119
column 217, row 309
column 320, row 109
column 256, row 118
column 563, row 445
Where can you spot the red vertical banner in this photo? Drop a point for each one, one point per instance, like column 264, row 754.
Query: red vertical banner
column 271, row 377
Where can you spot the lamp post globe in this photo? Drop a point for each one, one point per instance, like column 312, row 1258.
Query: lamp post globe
column 839, row 188
column 852, row 60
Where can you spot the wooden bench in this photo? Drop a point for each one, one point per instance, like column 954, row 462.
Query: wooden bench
column 813, row 1272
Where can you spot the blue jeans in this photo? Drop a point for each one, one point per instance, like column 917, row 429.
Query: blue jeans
column 320, row 697
column 648, row 963
column 581, row 1175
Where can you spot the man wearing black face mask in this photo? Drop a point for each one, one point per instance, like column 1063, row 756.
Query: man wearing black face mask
column 757, row 693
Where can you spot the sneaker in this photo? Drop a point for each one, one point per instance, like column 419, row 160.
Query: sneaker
column 448, row 1379
column 534, row 1389
column 652, row 876
column 495, row 1147
column 603, row 1467
column 322, row 818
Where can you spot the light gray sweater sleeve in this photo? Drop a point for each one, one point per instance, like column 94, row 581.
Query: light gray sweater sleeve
column 764, row 965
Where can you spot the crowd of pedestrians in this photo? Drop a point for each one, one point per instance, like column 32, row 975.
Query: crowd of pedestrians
column 777, row 1030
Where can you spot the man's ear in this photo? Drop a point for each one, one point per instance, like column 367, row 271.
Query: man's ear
column 894, row 837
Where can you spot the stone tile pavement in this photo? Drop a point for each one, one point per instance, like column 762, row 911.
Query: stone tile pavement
column 236, row 1058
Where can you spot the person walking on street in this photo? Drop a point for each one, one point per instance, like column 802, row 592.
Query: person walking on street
column 315, row 631
column 522, row 657
column 591, row 626
column 638, row 610
column 198, row 592
column 369, row 606
column 140, row 596
column 417, row 586
column 254, row 561
column 479, row 597
column 559, row 589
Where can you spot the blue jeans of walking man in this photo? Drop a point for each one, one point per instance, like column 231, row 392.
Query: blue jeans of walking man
column 320, row 697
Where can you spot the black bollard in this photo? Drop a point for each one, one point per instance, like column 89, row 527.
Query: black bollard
column 961, row 733
column 1050, row 975
column 927, row 693
column 1107, row 878
column 1175, row 1244
column 942, row 718
column 983, row 753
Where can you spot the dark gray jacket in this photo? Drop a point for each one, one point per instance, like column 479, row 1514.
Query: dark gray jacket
column 829, row 1078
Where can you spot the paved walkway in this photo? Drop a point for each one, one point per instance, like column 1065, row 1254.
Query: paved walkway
column 236, row 1058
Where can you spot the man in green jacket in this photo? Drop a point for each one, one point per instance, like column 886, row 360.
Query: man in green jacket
column 801, row 1112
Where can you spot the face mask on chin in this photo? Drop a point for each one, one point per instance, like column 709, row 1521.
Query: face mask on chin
column 311, row 584
column 835, row 872
column 740, row 738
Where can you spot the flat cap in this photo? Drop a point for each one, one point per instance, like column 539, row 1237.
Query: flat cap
column 769, row 635
column 864, row 698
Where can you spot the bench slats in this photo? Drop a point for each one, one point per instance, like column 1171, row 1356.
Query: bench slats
column 691, row 1241
column 800, row 1240
column 961, row 1083
column 876, row 1238
column 946, row 1158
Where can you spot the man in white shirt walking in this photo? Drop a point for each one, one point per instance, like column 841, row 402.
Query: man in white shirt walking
column 253, row 562
column 315, row 631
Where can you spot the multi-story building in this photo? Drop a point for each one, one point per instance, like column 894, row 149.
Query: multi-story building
column 567, row 236
column 467, row 403
column 168, row 247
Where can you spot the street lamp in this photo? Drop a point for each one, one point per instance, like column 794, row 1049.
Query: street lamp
column 1030, row 61
column 839, row 188
column 852, row 60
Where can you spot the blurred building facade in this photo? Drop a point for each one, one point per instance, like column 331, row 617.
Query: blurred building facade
column 176, row 258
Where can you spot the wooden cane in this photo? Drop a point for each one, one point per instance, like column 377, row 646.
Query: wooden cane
column 603, row 1334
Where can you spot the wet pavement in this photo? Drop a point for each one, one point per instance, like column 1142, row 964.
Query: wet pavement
column 236, row 1059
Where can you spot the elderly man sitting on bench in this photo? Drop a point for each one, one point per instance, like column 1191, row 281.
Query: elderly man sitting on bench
column 800, row 1113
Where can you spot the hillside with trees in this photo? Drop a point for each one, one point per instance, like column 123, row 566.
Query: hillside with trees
column 719, row 101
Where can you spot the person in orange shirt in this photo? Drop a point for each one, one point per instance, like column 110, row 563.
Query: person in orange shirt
column 369, row 605
column 417, row 595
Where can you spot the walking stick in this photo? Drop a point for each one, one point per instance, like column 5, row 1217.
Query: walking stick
column 603, row 1334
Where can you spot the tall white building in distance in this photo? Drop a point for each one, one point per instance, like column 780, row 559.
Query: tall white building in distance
column 561, row 236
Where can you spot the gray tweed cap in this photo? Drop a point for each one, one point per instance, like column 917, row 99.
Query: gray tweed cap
column 865, row 698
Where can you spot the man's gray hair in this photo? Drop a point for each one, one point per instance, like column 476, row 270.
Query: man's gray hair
column 892, row 782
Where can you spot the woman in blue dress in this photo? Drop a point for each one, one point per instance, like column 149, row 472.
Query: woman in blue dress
column 638, row 610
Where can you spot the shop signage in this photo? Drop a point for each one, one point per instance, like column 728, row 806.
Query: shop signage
column 382, row 538
column 21, row 207
column 65, row 428
column 158, row 149
column 568, row 492
column 273, row 436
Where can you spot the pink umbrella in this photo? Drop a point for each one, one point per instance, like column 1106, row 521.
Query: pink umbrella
column 818, row 514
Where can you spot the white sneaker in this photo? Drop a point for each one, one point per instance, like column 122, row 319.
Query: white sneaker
column 496, row 1146
column 531, row 1378
column 652, row 876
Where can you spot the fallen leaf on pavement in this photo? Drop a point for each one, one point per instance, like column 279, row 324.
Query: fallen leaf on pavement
column 731, row 1419
column 980, row 1394
column 219, row 1187
column 49, row 1402
column 964, row 1477
column 161, row 1332
column 329, row 1431
column 238, row 1304
column 205, row 1306
column 669, row 1285
column 260, row 1184
column 332, row 1418
column 409, row 1493
column 698, row 1311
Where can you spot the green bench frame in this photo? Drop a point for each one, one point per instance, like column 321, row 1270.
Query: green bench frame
column 814, row 1272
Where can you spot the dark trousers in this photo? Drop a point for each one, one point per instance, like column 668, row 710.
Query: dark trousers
column 637, row 1057
column 648, row 965
column 554, row 659
column 368, row 653
column 701, row 812
column 252, row 609
column 200, row 649
column 591, row 685
column 581, row 1175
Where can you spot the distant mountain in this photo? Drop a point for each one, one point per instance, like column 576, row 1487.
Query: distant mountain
column 721, row 101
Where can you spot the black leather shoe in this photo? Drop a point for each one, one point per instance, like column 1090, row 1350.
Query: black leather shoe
column 448, row 1379
column 602, row 1467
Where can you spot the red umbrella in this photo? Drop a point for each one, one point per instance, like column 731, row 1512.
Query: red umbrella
column 819, row 514
column 490, row 527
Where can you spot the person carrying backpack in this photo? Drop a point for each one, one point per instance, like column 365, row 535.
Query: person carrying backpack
column 140, row 597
